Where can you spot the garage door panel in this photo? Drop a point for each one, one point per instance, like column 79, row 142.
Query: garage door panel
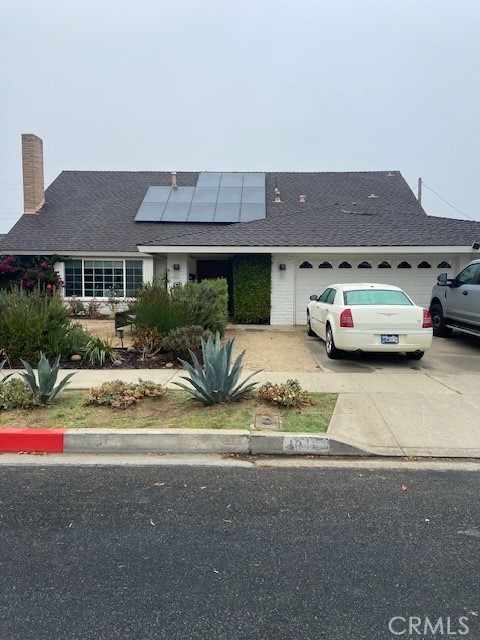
column 416, row 282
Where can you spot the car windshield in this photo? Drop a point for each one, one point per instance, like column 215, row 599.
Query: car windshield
column 376, row 296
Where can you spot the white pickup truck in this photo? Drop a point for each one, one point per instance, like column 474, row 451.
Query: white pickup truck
column 455, row 302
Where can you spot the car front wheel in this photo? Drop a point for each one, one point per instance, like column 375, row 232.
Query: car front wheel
column 332, row 352
column 440, row 329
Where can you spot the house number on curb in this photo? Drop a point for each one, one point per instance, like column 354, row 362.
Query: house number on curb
column 304, row 444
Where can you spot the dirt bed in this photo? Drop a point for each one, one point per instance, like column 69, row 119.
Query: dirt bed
column 267, row 348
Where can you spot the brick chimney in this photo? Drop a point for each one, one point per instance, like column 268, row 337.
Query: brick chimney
column 33, row 182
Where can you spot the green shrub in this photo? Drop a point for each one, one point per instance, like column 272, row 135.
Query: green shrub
column 32, row 323
column 251, row 289
column 44, row 390
column 121, row 395
column 287, row 394
column 77, row 337
column 185, row 340
column 16, row 394
column 217, row 380
column 205, row 303
column 98, row 351
column 154, row 308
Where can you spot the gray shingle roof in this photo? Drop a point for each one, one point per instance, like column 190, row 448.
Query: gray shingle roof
column 95, row 211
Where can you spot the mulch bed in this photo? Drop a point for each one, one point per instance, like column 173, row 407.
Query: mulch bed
column 127, row 359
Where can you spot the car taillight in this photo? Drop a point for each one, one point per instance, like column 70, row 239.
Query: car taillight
column 346, row 319
column 427, row 320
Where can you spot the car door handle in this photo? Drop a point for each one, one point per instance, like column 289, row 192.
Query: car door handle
column 464, row 293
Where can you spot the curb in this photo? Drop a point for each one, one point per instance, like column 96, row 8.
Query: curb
column 170, row 441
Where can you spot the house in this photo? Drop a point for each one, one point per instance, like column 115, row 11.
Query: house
column 123, row 228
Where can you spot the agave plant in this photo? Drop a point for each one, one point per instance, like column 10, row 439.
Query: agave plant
column 217, row 379
column 45, row 391
column 4, row 378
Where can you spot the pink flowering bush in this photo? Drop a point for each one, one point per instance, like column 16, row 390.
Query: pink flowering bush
column 29, row 272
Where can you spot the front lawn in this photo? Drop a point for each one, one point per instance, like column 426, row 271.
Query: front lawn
column 174, row 410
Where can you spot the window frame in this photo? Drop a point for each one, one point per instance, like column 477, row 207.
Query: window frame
column 126, row 283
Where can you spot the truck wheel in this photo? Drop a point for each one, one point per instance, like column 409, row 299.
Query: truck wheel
column 440, row 329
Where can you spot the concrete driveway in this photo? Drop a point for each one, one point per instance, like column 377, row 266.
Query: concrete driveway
column 458, row 354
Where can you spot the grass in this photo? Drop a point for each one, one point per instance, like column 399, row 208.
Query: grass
column 175, row 410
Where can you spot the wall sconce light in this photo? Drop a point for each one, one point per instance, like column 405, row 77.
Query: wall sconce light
column 176, row 267
column 282, row 267
column 476, row 246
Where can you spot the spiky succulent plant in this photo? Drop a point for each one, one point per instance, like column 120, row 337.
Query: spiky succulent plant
column 45, row 391
column 217, row 380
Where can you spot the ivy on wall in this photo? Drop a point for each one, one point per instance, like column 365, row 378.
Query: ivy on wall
column 251, row 289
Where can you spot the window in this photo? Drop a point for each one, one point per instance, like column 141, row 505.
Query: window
column 364, row 265
column 469, row 275
column 325, row 265
column 327, row 296
column 384, row 265
column 376, row 296
column 424, row 265
column 96, row 278
column 444, row 265
column 306, row 265
column 344, row 265
column 404, row 265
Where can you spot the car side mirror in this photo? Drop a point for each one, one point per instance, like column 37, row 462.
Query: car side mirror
column 442, row 280
column 314, row 297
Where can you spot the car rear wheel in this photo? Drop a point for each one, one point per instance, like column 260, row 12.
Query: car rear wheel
column 332, row 352
column 415, row 355
column 310, row 331
column 440, row 329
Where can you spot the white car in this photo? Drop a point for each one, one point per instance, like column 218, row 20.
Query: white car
column 369, row 317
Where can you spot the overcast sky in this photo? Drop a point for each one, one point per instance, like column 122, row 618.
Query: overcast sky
column 251, row 85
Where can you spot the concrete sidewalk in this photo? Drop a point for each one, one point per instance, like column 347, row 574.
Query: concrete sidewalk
column 400, row 414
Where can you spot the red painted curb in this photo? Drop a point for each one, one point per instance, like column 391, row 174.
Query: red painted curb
column 31, row 440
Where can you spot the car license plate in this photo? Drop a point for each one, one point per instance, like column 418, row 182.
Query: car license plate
column 389, row 339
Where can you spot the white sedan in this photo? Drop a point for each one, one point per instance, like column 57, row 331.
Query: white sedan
column 368, row 317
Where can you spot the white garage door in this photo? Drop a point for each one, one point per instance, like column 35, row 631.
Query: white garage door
column 415, row 274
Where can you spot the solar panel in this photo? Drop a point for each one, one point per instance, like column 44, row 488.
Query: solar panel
column 157, row 194
column 254, row 195
column 230, row 195
column 231, row 180
column 254, row 180
column 150, row 211
column 217, row 197
column 227, row 212
column 201, row 212
column 209, row 179
column 176, row 212
column 205, row 194
column 181, row 194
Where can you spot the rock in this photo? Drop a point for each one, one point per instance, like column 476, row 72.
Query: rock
column 76, row 357
column 169, row 365
column 117, row 363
